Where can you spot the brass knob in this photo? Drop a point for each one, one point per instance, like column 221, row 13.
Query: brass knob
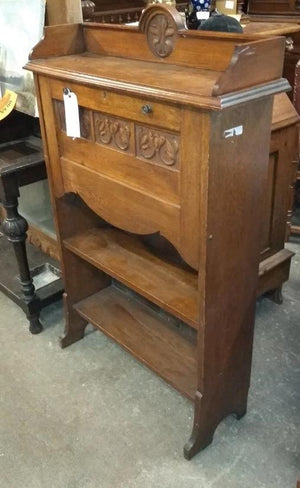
column 146, row 109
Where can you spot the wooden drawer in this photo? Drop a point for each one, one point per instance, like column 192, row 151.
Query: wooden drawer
column 132, row 108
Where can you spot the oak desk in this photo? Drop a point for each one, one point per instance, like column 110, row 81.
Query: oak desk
column 150, row 201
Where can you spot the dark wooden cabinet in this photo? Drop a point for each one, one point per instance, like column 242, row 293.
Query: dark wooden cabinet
column 282, row 8
column 122, row 11
column 117, row 11
column 278, row 198
column 260, row 25
column 159, row 203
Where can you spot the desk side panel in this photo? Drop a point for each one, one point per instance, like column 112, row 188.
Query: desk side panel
column 239, row 151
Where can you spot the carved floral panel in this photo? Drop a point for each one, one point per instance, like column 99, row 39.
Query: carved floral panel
column 157, row 146
column 146, row 143
column 85, row 123
column 113, row 132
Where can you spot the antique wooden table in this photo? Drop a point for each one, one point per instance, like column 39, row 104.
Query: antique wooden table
column 22, row 163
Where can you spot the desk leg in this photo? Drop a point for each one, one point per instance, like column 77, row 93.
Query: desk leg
column 15, row 228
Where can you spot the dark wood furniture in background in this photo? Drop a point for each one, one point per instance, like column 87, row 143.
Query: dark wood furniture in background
column 279, row 8
column 22, row 163
column 118, row 12
column 295, row 227
column 122, row 11
column 279, row 192
column 283, row 24
column 173, row 155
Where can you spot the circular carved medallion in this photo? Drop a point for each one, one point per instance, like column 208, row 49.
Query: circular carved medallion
column 161, row 35
column 162, row 24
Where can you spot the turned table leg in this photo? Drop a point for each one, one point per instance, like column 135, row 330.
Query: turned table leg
column 15, row 228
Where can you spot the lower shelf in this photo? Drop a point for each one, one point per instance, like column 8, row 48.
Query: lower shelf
column 142, row 332
column 10, row 285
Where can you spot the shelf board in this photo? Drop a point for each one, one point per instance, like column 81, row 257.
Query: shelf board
column 126, row 259
column 139, row 330
column 274, row 261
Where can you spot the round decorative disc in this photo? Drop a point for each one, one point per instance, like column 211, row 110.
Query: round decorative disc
column 161, row 35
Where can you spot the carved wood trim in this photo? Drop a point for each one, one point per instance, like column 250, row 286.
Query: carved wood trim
column 144, row 142
column 157, row 146
column 113, row 132
column 85, row 123
column 161, row 25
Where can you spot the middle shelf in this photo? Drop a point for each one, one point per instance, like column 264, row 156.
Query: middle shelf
column 128, row 260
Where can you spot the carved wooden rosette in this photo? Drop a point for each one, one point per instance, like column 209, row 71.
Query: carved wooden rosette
column 161, row 25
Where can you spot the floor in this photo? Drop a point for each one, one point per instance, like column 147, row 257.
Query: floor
column 90, row 416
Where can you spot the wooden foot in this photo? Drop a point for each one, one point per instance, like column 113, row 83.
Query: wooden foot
column 75, row 326
column 203, row 430
column 239, row 413
column 35, row 326
column 70, row 337
column 276, row 295
column 207, row 419
column 196, row 443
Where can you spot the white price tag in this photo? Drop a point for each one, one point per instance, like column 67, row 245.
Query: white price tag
column 229, row 4
column 202, row 15
column 71, row 113
column 234, row 131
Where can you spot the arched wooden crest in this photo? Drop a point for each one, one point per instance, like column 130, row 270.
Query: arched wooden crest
column 161, row 24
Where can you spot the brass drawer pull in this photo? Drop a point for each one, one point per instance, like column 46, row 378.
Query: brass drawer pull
column 146, row 109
